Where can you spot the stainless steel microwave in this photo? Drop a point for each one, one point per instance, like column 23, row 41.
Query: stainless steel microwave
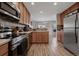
column 8, row 9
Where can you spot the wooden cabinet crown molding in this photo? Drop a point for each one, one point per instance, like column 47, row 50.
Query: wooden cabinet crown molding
column 60, row 17
column 72, row 8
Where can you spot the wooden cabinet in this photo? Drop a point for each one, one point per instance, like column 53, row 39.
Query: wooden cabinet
column 75, row 6
column 45, row 37
column 5, row 54
column 60, row 36
column 29, row 19
column 25, row 16
column 40, row 37
column 58, row 19
column 4, row 50
column 24, row 13
column 34, row 34
column 21, row 13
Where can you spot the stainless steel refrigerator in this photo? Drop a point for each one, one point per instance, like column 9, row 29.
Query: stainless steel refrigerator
column 71, row 32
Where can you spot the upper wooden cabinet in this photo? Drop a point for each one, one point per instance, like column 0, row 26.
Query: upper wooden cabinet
column 59, row 19
column 29, row 20
column 24, row 13
column 72, row 8
column 25, row 16
column 21, row 13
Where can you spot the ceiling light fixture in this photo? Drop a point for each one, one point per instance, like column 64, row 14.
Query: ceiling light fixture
column 41, row 12
column 55, row 3
column 32, row 3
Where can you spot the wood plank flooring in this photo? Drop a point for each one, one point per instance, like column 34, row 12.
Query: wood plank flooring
column 45, row 50
column 54, row 48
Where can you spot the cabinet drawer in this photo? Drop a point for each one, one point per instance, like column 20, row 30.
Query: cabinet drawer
column 3, row 49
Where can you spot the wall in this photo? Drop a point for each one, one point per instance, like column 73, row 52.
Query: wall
column 46, row 23
column 51, row 22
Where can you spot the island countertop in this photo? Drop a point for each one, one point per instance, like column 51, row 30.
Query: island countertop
column 26, row 32
column 40, row 31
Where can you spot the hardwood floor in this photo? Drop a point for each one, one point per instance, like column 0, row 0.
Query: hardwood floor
column 45, row 50
column 54, row 48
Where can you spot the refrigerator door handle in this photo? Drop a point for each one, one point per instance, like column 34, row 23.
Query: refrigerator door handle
column 76, row 28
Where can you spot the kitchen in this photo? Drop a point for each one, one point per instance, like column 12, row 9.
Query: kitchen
column 16, row 32
column 26, row 31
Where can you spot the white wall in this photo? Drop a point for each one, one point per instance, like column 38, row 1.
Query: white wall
column 51, row 23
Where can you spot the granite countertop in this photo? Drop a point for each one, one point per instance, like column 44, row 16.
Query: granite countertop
column 25, row 32
column 3, row 41
column 40, row 31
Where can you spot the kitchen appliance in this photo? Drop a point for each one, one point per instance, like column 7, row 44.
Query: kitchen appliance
column 9, row 9
column 5, row 32
column 71, row 32
column 22, row 47
column 18, row 46
column 15, row 42
column 25, row 45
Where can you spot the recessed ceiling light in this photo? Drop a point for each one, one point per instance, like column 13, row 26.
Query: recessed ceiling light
column 32, row 3
column 55, row 3
column 41, row 12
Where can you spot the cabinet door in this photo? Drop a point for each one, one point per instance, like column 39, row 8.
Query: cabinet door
column 25, row 16
column 58, row 35
column 45, row 37
column 33, row 37
column 29, row 20
column 22, row 12
column 3, row 49
column 6, row 54
column 38, row 37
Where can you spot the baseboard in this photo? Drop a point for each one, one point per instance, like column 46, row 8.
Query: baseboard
column 70, row 51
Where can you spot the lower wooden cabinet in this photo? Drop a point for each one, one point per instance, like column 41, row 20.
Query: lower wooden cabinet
column 4, row 50
column 6, row 54
column 40, row 37
column 60, row 36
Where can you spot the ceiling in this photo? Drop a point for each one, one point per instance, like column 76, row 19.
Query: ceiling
column 46, row 11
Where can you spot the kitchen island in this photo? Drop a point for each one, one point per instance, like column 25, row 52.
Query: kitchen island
column 37, row 36
column 40, row 37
